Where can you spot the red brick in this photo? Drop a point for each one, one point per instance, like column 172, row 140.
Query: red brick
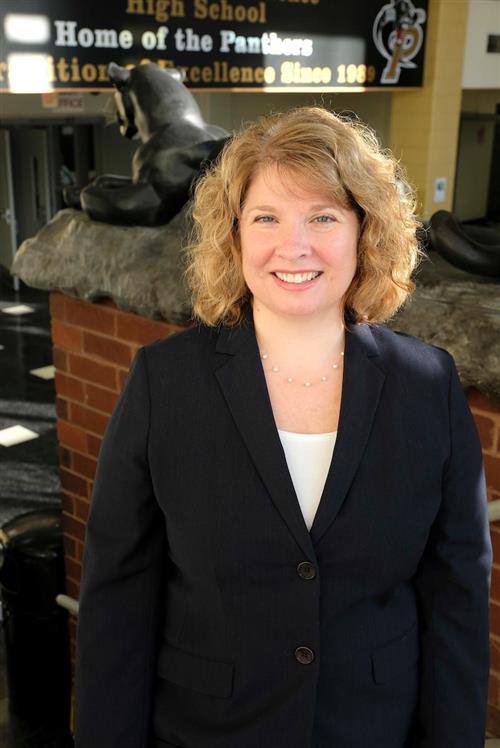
column 479, row 401
column 93, row 371
column 495, row 656
column 495, row 540
column 71, row 436
column 73, row 527
column 135, row 349
column 93, row 445
column 57, row 305
column 69, row 546
column 66, row 337
column 487, row 428
column 88, row 419
column 494, row 618
column 82, row 509
column 73, row 569
column 122, row 378
column 492, row 721
column 132, row 327
column 67, row 503
column 492, row 470
column 72, row 589
column 493, row 495
column 72, row 622
column 61, row 408
column 69, row 387
column 84, row 465
column 100, row 399
column 65, row 457
column 73, row 483
column 59, row 359
column 91, row 316
column 495, row 586
column 79, row 551
column 493, row 689
column 107, row 349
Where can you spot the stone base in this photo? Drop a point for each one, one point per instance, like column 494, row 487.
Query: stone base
column 140, row 268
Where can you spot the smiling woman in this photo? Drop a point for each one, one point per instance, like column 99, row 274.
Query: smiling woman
column 336, row 162
column 288, row 542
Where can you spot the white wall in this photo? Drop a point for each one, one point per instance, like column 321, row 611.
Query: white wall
column 481, row 69
column 232, row 110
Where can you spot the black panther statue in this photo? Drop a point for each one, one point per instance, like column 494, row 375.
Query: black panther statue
column 475, row 249
column 176, row 145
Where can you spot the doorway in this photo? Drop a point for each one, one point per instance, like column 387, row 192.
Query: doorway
column 36, row 162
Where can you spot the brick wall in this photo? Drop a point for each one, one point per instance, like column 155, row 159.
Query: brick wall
column 93, row 347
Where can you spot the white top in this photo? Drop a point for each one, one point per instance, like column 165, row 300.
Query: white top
column 308, row 457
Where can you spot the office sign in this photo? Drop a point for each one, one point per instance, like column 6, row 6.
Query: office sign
column 252, row 45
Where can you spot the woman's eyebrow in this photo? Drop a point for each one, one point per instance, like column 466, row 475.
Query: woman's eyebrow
column 260, row 207
column 318, row 206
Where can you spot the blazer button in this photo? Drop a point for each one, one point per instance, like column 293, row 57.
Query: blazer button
column 306, row 570
column 304, row 655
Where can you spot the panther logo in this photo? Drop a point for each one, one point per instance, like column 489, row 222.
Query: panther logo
column 398, row 36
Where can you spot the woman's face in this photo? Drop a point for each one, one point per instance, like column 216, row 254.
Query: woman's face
column 298, row 248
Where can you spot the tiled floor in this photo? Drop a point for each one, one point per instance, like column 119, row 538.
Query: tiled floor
column 29, row 476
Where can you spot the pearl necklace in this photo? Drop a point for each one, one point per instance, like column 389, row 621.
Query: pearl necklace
column 307, row 383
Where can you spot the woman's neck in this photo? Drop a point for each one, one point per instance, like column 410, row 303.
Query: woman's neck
column 306, row 342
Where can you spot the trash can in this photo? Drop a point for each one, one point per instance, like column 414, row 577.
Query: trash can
column 35, row 627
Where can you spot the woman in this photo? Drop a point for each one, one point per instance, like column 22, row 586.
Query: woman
column 288, row 544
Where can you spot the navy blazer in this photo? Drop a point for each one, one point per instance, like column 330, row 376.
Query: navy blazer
column 211, row 618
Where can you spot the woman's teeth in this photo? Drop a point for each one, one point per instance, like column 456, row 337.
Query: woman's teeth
column 297, row 277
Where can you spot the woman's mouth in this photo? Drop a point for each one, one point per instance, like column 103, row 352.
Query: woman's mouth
column 297, row 278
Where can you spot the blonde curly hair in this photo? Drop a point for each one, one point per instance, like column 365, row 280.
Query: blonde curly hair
column 343, row 159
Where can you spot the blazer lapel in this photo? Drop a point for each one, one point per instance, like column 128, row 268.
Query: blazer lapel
column 361, row 388
column 241, row 378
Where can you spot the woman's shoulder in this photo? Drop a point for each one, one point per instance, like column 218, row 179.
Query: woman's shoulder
column 410, row 350
column 187, row 343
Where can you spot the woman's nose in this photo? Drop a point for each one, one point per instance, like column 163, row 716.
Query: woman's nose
column 293, row 241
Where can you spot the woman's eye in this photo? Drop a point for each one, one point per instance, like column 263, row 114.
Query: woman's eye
column 264, row 219
column 324, row 219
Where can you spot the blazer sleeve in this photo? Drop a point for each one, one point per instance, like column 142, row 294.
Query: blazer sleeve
column 123, row 563
column 452, row 582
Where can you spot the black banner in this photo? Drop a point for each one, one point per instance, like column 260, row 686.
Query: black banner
column 244, row 45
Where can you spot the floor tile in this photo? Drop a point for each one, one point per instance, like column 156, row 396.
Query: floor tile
column 17, row 434
column 44, row 372
column 18, row 309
